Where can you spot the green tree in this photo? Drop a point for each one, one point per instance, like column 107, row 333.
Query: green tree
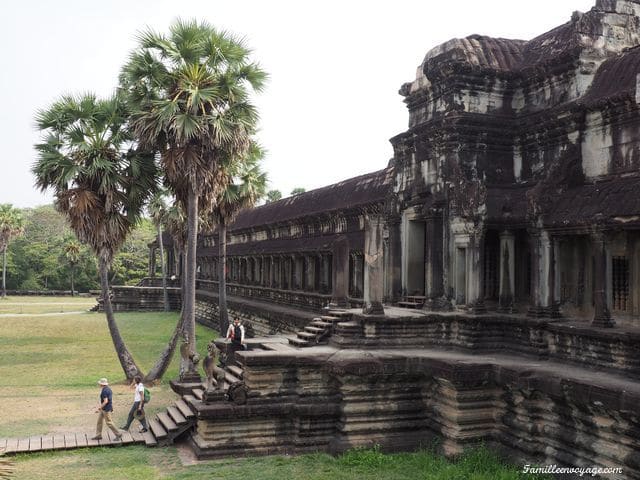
column 297, row 191
column 100, row 184
column 11, row 225
column 247, row 184
column 72, row 254
column 273, row 196
column 190, row 94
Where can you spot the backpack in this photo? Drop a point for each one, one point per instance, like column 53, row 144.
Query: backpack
column 147, row 395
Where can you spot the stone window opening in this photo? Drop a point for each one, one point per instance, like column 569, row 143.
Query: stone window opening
column 620, row 283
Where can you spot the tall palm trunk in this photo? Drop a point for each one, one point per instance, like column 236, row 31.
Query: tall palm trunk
column 4, row 272
column 73, row 290
column 222, row 278
column 159, row 369
column 126, row 360
column 189, row 299
column 165, row 294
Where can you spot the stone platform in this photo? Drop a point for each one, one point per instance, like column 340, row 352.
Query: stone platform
column 532, row 408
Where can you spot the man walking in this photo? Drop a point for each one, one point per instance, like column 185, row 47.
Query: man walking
column 104, row 410
column 137, row 408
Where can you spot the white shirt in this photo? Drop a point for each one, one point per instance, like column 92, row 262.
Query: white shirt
column 139, row 395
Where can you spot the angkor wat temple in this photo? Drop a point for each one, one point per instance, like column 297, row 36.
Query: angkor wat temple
column 475, row 274
column 513, row 190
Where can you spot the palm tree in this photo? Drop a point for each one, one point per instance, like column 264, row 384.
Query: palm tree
column 247, row 184
column 72, row 254
column 99, row 182
column 189, row 93
column 11, row 226
column 273, row 196
column 158, row 210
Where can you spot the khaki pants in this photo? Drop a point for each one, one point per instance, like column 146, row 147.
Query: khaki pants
column 106, row 418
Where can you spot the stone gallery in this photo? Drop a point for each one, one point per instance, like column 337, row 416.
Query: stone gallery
column 483, row 287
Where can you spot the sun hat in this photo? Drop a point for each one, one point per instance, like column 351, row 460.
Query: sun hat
column 103, row 381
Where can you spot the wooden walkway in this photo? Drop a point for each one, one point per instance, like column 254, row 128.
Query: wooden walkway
column 67, row 441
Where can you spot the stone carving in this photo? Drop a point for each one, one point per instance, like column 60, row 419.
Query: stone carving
column 213, row 373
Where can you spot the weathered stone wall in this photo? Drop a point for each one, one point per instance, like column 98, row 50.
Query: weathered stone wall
column 576, row 343
column 404, row 399
column 259, row 319
column 125, row 298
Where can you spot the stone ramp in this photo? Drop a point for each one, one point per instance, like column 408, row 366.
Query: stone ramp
column 164, row 428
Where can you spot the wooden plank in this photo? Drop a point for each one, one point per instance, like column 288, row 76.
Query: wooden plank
column 91, row 442
column 23, row 445
column 149, row 439
column 175, row 414
column 58, row 442
column 70, row 440
column 12, row 445
column 167, row 422
column 158, row 430
column 137, row 436
column 81, row 440
column 127, row 438
column 35, row 443
column 198, row 393
column 47, row 442
column 185, row 409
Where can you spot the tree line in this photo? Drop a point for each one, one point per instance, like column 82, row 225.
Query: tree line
column 44, row 254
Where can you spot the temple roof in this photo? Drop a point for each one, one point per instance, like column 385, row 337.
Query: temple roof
column 615, row 78
column 350, row 193
column 478, row 50
column 610, row 202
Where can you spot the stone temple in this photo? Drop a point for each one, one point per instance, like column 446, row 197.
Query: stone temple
column 483, row 287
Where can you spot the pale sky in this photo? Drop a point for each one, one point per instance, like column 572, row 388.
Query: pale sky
column 331, row 104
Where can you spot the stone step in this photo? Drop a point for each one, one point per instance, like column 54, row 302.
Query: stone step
column 339, row 313
column 321, row 324
column 230, row 378
column 166, row 421
column 314, row 330
column 198, row 393
column 235, row 370
column 157, row 429
column 185, row 409
column 307, row 335
column 298, row 342
column 331, row 319
column 176, row 416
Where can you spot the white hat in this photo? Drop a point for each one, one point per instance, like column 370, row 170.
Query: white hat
column 103, row 382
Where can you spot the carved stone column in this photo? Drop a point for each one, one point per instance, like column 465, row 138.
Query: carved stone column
column 542, row 275
column 433, row 257
column 602, row 315
column 507, row 272
column 475, row 265
column 394, row 268
column 373, row 265
column 340, row 293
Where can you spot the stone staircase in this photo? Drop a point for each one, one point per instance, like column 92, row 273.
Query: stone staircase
column 319, row 329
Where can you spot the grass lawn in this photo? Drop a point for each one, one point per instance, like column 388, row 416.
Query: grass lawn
column 49, row 366
column 39, row 305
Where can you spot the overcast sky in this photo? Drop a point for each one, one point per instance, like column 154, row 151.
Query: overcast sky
column 332, row 101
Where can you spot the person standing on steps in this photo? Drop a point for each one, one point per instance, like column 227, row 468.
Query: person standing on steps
column 137, row 409
column 105, row 410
